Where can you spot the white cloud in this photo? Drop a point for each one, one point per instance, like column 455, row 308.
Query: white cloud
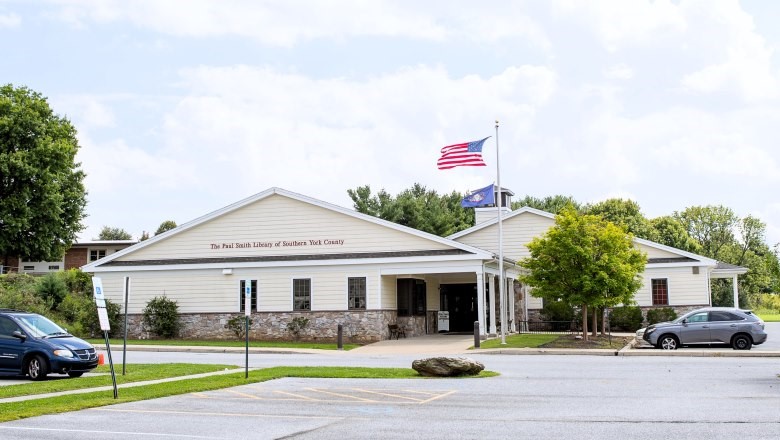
column 621, row 23
column 91, row 111
column 10, row 20
column 619, row 71
column 744, row 65
column 287, row 23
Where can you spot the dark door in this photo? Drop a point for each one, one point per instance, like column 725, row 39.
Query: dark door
column 461, row 301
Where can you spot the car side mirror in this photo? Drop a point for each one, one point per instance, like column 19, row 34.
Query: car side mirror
column 685, row 321
column 19, row 335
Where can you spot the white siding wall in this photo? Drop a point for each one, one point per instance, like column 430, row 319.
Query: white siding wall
column 656, row 253
column 518, row 231
column 389, row 292
column 278, row 219
column 209, row 291
column 685, row 287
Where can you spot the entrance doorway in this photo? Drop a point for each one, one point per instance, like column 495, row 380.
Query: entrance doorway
column 461, row 301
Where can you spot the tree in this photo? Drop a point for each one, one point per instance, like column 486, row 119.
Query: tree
column 584, row 260
column 624, row 213
column 108, row 233
column 41, row 184
column 711, row 226
column 668, row 231
column 167, row 225
column 552, row 204
column 416, row 207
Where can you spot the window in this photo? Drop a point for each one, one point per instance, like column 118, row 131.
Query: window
column 411, row 297
column 29, row 267
column 660, row 290
column 301, row 294
column 54, row 267
column 7, row 327
column 242, row 295
column 96, row 254
column 724, row 316
column 699, row 317
column 356, row 293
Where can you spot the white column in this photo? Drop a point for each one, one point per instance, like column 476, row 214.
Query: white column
column 511, row 295
column 736, row 291
column 481, row 302
column 492, row 296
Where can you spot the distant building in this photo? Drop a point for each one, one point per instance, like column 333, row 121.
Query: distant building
column 78, row 255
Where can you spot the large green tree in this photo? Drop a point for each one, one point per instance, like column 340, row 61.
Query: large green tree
column 416, row 207
column 584, row 260
column 42, row 195
column 109, row 233
column 624, row 213
column 552, row 204
column 165, row 226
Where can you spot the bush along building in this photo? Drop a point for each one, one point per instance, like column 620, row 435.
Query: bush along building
column 305, row 260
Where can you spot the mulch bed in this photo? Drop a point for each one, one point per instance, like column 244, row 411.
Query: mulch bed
column 569, row 341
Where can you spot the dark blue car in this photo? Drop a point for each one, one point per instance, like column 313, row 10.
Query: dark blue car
column 34, row 346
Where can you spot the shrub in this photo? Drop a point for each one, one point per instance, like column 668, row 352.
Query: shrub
column 297, row 325
column 237, row 325
column 661, row 315
column 628, row 318
column 558, row 311
column 80, row 312
column 52, row 289
column 17, row 291
column 161, row 317
column 77, row 281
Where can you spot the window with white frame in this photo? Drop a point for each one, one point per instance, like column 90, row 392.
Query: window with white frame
column 660, row 291
column 96, row 254
column 356, row 293
column 242, row 295
column 301, row 294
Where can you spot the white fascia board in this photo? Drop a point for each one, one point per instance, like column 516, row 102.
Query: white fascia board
column 687, row 264
column 523, row 210
column 404, row 270
column 346, row 262
column 707, row 261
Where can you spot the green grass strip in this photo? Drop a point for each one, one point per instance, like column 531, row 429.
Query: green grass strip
column 524, row 340
column 768, row 315
column 54, row 405
column 115, row 343
column 135, row 373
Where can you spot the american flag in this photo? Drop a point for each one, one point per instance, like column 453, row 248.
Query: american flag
column 468, row 154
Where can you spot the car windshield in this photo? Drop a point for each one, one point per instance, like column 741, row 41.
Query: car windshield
column 39, row 326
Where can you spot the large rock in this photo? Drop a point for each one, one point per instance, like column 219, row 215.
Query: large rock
column 447, row 366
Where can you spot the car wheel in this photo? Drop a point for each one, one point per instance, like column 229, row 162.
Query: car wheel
column 741, row 342
column 75, row 373
column 36, row 368
column 668, row 342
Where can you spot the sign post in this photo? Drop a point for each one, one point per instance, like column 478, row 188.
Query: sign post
column 100, row 302
column 247, row 311
column 124, row 346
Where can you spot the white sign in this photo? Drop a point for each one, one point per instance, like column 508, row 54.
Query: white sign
column 97, row 286
column 444, row 321
column 247, row 297
column 103, row 318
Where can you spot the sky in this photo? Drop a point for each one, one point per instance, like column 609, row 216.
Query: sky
column 183, row 107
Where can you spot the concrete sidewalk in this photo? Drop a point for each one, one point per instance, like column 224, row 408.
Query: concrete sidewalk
column 445, row 344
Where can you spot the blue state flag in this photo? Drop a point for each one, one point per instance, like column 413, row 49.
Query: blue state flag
column 481, row 197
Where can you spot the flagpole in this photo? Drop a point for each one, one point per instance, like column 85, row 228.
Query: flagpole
column 501, row 281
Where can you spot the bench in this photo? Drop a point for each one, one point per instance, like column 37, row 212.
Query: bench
column 396, row 331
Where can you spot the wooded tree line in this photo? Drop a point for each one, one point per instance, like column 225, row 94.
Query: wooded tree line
column 716, row 232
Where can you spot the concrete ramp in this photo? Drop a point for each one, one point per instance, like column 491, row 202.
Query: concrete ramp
column 440, row 344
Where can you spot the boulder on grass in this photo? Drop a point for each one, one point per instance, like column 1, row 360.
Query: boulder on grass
column 447, row 366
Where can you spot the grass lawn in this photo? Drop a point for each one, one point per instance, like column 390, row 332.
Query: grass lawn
column 768, row 315
column 524, row 340
column 209, row 343
column 53, row 405
column 135, row 373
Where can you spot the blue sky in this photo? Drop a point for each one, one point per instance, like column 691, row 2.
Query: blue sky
column 184, row 107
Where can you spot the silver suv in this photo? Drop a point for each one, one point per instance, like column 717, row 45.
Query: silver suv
column 740, row 329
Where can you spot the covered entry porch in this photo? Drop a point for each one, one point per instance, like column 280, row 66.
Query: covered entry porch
column 427, row 303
